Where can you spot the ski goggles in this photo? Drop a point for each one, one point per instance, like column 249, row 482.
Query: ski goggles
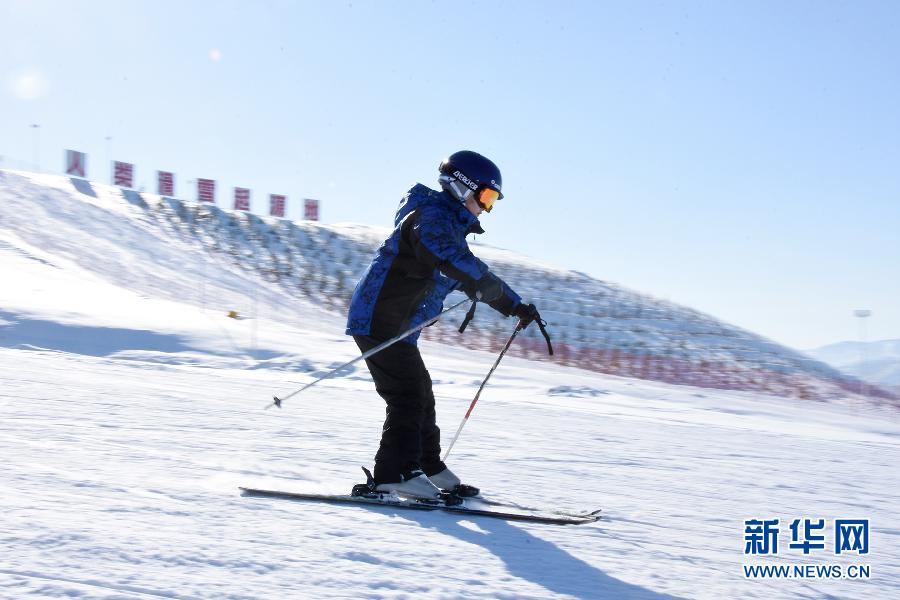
column 486, row 198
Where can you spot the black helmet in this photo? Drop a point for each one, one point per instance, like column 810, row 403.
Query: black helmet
column 473, row 171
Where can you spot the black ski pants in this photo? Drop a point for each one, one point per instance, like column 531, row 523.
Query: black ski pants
column 410, row 438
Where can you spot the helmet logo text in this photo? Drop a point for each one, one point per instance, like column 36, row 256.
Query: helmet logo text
column 459, row 175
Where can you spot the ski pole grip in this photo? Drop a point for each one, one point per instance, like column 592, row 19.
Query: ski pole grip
column 543, row 325
column 469, row 316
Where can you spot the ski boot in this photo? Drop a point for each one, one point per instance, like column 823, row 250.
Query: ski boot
column 414, row 484
column 450, row 483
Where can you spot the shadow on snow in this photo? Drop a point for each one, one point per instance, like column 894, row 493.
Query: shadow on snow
column 531, row 558
column 16, row 331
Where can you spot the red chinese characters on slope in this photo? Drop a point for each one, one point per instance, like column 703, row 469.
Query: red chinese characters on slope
column 276, row 205
column 241, row 199
column 311, row 209
column 76, row 163
column 165, row 183
column 206, row 190
column 123, row 174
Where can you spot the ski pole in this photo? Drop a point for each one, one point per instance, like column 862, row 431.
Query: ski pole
column 519, row 327
column 277, row 401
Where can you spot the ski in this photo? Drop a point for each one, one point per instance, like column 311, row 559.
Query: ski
column 393, row 501
column 474, row 501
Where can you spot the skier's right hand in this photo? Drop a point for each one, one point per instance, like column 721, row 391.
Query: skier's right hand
column 527, row 313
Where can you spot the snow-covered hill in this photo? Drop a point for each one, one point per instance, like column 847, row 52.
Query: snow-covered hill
column 596, row 325
column 875, row 362
column 131, row 409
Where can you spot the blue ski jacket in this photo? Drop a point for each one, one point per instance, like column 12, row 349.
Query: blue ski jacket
column 425, row 258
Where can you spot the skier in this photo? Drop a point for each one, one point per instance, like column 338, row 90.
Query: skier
column 425, row 258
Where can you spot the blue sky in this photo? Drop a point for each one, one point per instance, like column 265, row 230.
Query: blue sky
column 739, row 158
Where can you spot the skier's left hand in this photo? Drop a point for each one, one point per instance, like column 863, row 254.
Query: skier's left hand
column 487, row 289
column 527, row 314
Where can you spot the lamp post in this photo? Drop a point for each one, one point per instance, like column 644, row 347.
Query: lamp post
column 862, row 314
column 112, row 174
column 37, row 156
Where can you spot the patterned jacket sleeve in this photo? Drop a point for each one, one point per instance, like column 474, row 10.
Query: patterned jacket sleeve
column 438, row 245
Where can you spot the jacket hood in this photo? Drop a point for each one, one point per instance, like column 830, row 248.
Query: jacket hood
column 420, row 194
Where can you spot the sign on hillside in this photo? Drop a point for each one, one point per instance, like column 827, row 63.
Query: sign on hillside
column 206, row 190
column 123, row 174
column 311, row 210
column 276, row 205
column 241, row 199
column 76, row 163
column 165, row 183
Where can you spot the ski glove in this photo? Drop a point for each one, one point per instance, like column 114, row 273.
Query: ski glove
column 527, row 313
column 487, row 289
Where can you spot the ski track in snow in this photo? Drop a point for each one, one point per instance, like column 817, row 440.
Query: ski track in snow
column 128, row 420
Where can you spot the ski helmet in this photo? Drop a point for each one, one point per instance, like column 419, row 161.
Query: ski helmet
column 465, row 173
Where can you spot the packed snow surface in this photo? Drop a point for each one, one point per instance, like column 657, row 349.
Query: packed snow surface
column 130, row 417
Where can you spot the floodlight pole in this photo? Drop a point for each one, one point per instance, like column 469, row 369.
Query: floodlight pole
column 112, row 173
column 37, row 154
column 862, row 314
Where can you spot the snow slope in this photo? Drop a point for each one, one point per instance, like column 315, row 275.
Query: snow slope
column 131, row 408
column 595, row 324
